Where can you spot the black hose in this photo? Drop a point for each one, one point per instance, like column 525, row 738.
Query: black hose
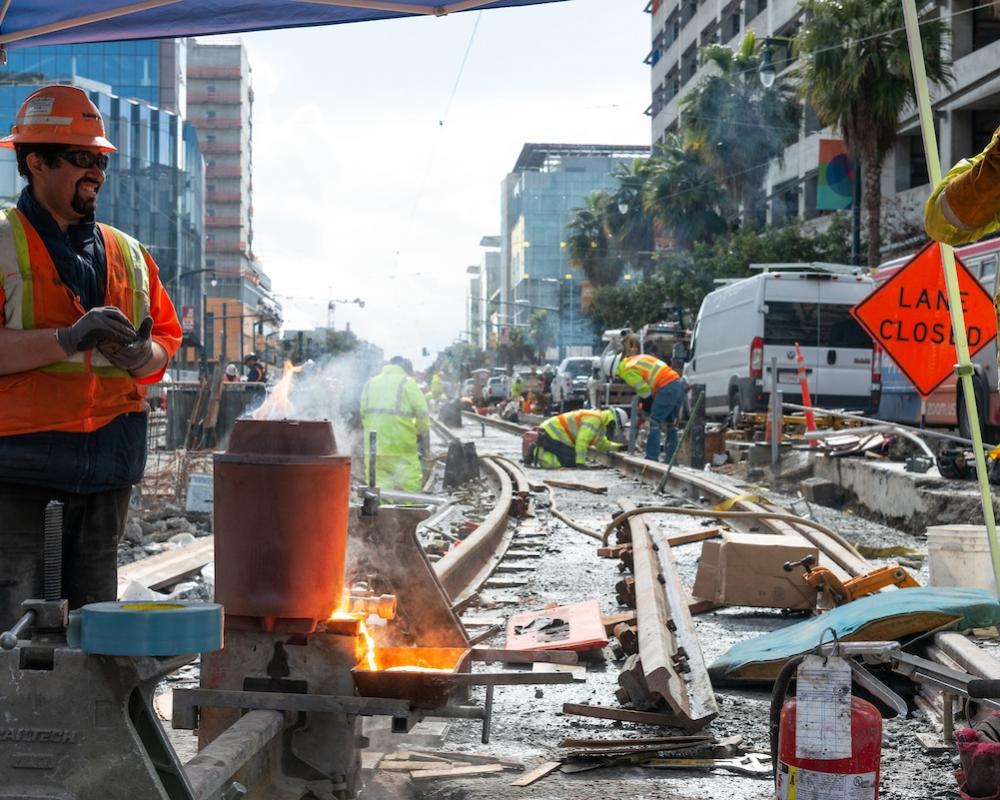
column 781, row 684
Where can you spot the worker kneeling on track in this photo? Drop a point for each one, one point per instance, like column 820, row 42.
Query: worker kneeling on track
column 86, row 327
column 394, row 408
column 563, row 441
column 661, row 395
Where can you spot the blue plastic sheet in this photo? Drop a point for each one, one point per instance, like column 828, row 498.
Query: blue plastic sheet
column 191, row 18
column 973, row 608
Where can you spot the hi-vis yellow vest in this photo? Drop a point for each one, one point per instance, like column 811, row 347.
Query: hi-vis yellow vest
column 84, row 391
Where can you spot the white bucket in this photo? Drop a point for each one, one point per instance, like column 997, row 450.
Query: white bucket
column 959, row 555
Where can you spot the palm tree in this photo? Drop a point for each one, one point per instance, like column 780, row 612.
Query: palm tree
column 738, row 125
column 627, row 219
column 854, row 71
column 588, row 244
column 683, row 195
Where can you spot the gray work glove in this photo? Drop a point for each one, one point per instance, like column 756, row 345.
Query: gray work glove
column 103, row 325
column 132, row 356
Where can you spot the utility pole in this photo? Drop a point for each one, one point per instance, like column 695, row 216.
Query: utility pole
column 332, row 306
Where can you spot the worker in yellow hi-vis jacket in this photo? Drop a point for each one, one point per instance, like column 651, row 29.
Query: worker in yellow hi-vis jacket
column 563, row 441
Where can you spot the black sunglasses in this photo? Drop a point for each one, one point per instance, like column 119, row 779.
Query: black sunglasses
column 84, row 159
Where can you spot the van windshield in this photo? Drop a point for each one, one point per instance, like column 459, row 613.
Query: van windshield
column 578, row 368
column 812, row 325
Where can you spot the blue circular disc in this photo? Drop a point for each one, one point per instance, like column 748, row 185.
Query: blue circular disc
column 160, row 628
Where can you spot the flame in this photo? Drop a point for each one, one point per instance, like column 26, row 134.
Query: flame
column 278, row 405
column 344, row 612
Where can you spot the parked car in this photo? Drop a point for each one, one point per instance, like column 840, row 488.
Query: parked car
column 497, row 389
column 569, row 386
column 745, row 324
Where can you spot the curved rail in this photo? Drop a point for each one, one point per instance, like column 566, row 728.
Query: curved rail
column 841, row 557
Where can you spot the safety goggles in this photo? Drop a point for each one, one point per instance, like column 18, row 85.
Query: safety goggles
column 84, row 159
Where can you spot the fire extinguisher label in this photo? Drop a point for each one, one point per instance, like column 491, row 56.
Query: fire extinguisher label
column 795, row 783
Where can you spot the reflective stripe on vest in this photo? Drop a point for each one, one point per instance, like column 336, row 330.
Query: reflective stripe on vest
column 570, row 423
column 650, row 367
column 19, row 289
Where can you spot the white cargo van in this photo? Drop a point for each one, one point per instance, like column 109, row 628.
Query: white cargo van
column 742, row 325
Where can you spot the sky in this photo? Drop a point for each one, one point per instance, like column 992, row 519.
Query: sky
column 379, row 149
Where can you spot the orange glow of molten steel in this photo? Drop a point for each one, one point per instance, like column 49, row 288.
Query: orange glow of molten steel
column 344, row 612
column 278, row 405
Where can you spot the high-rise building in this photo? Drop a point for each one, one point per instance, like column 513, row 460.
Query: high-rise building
column 547, row 182
column 966, row 112
column 242, row 312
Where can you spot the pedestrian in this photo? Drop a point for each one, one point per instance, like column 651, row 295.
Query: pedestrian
column 563, row 441
column 661, row 395
column 965, row 206
column 87, row 327
column 394, row 408
column 255, row 369
column 232, row 374
column 516, row 386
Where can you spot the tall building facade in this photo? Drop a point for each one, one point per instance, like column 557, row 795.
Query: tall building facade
column 546, row 183
column 966, row 112
column 243, row 315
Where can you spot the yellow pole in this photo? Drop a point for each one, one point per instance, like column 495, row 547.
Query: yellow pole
column 964, row 366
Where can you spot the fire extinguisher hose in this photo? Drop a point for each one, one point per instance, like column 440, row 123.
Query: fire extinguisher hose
column 781, row 684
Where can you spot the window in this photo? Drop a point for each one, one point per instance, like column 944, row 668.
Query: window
column 210, row 114
column 813, row 324
column 210, row 89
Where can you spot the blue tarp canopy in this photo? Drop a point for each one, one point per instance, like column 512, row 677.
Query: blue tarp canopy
column 35, row 22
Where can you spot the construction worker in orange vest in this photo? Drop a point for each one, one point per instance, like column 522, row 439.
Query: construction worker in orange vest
column 86, row 328
column 661, row 395
column 563, row 441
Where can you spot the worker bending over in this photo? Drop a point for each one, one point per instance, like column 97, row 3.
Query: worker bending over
column 393, row 406
column 563, row 441
column 86, row 327
column 965, row 206
column 661, row 395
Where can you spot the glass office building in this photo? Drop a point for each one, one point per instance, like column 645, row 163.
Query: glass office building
column 548, row 181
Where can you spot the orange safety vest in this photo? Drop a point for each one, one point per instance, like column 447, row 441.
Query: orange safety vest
column 83, row 392
column 653, row 371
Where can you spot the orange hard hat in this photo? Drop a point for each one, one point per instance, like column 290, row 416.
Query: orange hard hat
column 58, row 115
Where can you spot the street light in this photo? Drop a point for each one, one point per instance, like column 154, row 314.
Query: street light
column 768, row 71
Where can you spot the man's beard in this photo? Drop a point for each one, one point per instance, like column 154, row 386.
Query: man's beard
column 85, row 207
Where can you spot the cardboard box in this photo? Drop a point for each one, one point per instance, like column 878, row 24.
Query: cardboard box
column 747, row 569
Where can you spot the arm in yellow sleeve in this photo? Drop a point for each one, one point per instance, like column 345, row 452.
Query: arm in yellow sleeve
column 583, row 441
column 965, row 206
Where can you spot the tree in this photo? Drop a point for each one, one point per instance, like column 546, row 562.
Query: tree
column 628, row 220
column 737, row 125
column 683, row 195
column 589, row 243
column 854, row 70
column 541, row 331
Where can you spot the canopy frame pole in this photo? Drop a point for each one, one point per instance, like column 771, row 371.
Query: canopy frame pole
column 964, row 366
column 4, row 10
column 76, row 22
column 404, row 8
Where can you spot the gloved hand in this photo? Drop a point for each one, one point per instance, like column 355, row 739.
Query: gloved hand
column 132, row 356
column 646, row 404
column 614, row 447
column 103, row 325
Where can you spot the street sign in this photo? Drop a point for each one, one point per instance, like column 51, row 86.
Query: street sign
column 908, row 316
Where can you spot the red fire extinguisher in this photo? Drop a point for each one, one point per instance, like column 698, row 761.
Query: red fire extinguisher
column 835, row 754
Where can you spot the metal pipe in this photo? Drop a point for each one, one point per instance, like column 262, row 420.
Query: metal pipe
column 414, row 498
column 210, row 770
column 886, row 428
column 950, row 437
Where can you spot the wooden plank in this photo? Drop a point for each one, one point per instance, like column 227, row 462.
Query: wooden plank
column 515, row 569
column 165, row 569
column 611, row 620
column 612, row 550
column 696, row 606
column 638, row 742
column 695, row 536
column 621, row 715
column 470, row 758
column 536, row 774
column 416, row 755
column 489, row 655
column 581, row 486
column 496, row 583
column 456, row 772
column 578, row 671
column 482, row 622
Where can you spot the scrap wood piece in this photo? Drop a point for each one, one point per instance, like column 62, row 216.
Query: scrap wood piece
column 611, row 621
column 646, row 751
column 582, row 486
column 470, row 758
column 612, row 550
column 170, row 567
column 646, row 740
column 537, row 773
column 470, row 771
column 622, row 715
column 578, row 671
column 669, row 651
column 695, row 536
column 489, row 655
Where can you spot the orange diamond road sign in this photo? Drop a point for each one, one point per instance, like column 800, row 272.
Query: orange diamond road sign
column 908, row 316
